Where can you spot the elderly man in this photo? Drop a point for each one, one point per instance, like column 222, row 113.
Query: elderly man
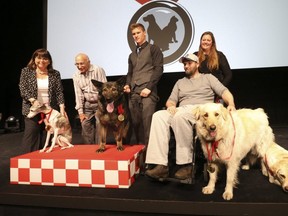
column 195, row 88
column 86, row 96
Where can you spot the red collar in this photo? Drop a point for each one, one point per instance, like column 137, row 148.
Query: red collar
column 214, row 146
column 43, row 115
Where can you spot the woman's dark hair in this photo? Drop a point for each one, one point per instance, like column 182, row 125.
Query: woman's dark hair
column 40, row 53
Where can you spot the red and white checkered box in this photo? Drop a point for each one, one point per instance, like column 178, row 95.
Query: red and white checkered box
column 79, row 166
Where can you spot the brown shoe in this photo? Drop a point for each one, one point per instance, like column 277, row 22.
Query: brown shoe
column 160, row 171
column 184, row 172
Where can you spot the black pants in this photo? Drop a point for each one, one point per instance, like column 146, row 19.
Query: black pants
column 141, row 111
column 33, row 135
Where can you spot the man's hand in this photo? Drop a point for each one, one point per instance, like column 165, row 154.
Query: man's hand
column 172, row 110
column 82, row 117
column 145, row 92
column 231, row 108
column 127, row 89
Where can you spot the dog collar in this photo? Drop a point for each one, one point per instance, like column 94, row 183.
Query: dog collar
column 42, row 115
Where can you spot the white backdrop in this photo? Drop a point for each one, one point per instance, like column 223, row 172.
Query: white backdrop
column 251, row 33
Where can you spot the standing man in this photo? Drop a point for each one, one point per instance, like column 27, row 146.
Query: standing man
column 145, row 68
column 86, row 96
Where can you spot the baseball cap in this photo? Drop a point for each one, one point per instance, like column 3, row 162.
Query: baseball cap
column 189, row 57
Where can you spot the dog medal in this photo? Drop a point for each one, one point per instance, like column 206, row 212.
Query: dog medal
column 121, row 117
column 210, row 169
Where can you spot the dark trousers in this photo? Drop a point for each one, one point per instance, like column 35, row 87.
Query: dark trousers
column 90, row 126
column 33, row 135
column 141, row 111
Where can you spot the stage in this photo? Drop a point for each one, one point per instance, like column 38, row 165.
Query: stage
column 253, row 196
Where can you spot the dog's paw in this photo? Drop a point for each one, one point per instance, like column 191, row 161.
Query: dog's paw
column 207, row 190
column 100, row 150
column 227, row 195
column 49, row 150
column 120, row 148
column 68, row 146
column 42, row 150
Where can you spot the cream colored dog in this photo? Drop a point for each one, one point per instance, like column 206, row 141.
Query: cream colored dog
column 56, row 124
column 275, row 165
column 227, row 137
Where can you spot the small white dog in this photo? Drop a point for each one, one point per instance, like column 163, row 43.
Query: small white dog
column 226, row 138
column 275, row 165
column 56, row 124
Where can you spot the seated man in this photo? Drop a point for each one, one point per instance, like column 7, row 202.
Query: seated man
column 195, row 88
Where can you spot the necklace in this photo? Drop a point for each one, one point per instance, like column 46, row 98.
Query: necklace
column 42, row 72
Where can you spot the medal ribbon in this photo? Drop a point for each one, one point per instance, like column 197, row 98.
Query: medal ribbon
column 120, row 109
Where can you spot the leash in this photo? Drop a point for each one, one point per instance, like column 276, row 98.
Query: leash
column 214, row 145
column 270, row 172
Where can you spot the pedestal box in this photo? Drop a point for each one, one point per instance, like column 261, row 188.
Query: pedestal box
column 79, row 166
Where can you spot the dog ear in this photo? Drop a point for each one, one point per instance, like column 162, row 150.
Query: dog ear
column 224, row 112
column 121, row 81
column 196, row 112
column 97, row 83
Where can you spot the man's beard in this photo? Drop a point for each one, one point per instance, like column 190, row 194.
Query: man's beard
column 189, row 73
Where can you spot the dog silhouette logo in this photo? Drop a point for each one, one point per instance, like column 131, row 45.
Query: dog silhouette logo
column 168, row 25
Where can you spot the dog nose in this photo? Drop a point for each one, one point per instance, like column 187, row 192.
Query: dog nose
column 212, row 127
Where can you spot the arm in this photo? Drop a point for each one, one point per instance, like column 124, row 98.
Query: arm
column 225, row 68
column 129, row 76
column 173, row 99
column 171, row 107
column 79, row 96
column 229, row 100
column 157, row 61
column 28, row 85
column 59, row 93
column 102, row 75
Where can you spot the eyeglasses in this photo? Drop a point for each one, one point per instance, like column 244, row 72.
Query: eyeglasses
column 80, row 64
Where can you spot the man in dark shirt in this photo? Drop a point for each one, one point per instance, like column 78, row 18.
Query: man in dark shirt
column 145, row 68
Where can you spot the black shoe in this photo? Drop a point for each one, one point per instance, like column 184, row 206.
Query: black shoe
column 184, row 172
column 160, row 171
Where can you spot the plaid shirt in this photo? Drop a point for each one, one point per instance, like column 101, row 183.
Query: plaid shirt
column 84, row 88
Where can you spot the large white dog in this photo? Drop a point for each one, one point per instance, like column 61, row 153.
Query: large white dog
column 226, row 138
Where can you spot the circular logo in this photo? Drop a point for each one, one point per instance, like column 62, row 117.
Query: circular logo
column 168, row 25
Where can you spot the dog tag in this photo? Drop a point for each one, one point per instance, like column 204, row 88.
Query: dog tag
column 121, row 117
column 210, row 169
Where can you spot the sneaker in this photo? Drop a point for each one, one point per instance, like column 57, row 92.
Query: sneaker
column 159, row 171
column 184, row 172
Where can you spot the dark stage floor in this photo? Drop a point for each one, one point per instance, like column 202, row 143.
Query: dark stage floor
column 253, row 196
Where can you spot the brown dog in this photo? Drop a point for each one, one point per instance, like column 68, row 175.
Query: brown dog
column 112, row 112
